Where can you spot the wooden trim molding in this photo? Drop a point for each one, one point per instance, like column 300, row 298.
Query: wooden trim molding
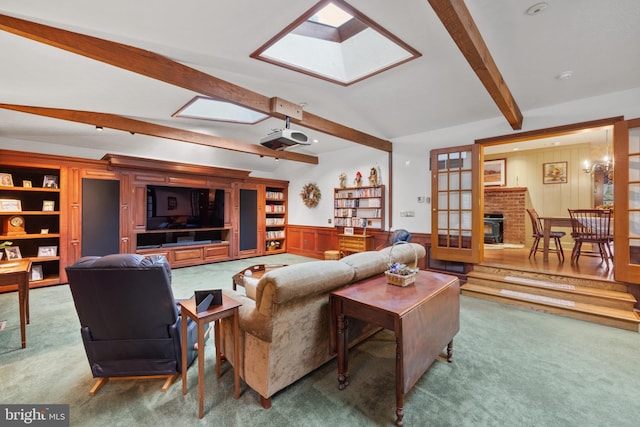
column 127, row 162
column 548, row 132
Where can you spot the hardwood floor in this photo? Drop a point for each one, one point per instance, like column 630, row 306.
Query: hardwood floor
column 588, row 266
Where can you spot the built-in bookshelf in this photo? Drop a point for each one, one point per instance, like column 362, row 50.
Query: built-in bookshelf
column 30, row 218
column 275, row 219
column 359, row 207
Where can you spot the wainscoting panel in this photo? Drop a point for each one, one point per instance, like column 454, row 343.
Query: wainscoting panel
column 314, row 241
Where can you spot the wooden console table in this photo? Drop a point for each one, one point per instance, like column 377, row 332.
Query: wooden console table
column 348, row 243
column 17, row 273
column 425, row 317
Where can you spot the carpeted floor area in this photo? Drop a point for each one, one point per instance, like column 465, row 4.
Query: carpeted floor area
column 511, row 367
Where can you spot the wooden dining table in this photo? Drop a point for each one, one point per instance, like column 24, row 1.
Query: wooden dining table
column 547, row 223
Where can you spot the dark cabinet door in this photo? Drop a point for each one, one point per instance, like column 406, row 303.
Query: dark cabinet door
column 248, row 219
column 100, row 217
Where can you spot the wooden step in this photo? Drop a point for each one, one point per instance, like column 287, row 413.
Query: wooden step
column 555, row 289
column 574, row 279
column 623, row 319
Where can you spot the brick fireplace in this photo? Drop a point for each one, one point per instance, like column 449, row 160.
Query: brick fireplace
column 510, row 202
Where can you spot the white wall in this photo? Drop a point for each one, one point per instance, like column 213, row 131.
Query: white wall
column 326, row 176
column 551, row 199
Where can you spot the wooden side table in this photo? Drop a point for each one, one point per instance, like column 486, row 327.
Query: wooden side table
column 229, row 308
column 17, row 272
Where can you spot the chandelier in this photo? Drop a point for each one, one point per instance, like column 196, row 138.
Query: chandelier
column 605, row 165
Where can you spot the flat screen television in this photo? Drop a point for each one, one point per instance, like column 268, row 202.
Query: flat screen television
column 170, row 208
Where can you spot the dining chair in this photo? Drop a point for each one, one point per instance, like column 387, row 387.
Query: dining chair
column 538, row 234
column 591, row 226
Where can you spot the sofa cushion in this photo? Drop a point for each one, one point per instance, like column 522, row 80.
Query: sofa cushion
column 366, row 264
column 301, row 280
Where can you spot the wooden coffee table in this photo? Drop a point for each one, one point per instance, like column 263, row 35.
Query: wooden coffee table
column 425, row 317
column 255, row 272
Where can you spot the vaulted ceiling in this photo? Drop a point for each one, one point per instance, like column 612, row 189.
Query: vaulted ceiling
column 517, row 61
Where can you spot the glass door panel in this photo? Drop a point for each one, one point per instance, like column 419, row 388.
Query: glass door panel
column 456, row 220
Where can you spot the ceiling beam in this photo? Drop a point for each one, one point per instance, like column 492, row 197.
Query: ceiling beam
column 458, row 21
column 113, row 121
column 161, row 68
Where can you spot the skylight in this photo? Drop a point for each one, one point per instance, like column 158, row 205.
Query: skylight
column 212, row 109
column 331, row 15
column 335, row 42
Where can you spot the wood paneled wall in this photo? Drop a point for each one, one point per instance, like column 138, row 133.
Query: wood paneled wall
column 313, row 241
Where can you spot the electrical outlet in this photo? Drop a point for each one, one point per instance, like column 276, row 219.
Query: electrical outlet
column 329, row 221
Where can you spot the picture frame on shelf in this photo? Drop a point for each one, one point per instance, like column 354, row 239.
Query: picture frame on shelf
column 36, row 273
column 48, row 205
column 44, row 231
column 12, row 253
column 50, row 181
column 47, row 251
column 10, row 205
column 6, row 180
column 495, row 173
column 27, row 184
column 554, row 173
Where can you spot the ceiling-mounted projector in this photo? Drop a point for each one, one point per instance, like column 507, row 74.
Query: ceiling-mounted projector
column 283, row 138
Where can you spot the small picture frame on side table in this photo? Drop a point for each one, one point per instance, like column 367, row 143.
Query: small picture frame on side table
column 13, row 253
column 6, row 180
column 50, row 181
column 47, row 251
column 348, row 231
column 48, row 205
column 36, row 273
column 10, row 205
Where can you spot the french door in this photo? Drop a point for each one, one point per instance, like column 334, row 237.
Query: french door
column 626, row 223
column 457, row 224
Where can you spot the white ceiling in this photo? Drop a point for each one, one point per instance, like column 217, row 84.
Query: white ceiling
column 598, row 41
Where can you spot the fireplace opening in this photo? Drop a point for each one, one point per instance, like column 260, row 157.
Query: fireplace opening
column 493, row 227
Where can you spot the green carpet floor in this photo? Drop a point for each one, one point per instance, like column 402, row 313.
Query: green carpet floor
column 511, row 367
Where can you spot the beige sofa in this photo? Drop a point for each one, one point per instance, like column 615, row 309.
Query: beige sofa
column 284, row 318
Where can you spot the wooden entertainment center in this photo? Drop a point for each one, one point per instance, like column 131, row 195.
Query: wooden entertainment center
column 104, row 206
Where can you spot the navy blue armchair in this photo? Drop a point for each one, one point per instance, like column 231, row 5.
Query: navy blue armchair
column 129, row 320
